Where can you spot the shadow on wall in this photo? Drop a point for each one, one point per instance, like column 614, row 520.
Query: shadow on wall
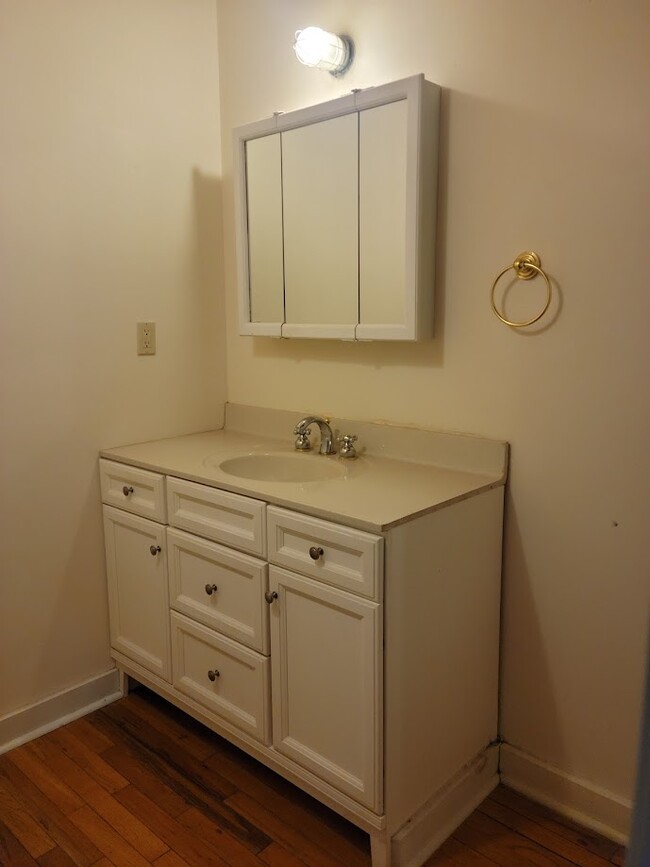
column 208, row 229
column 207, row 258
column 526, row 673
column 78, row 622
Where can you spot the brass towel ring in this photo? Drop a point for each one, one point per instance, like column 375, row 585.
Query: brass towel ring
column 526, row 266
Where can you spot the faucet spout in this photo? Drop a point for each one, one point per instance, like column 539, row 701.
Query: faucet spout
column 302, row 429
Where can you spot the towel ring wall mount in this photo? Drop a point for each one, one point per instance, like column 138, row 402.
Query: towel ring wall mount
column 526, row 266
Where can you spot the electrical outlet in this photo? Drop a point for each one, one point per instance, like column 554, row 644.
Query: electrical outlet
column 146, row 338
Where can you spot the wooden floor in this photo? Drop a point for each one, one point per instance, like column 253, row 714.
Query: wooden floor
column 139, row 783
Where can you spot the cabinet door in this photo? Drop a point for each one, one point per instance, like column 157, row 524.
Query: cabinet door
column 320, row 199
column 138, row 598
column 326, row 657
column 264, row 209
column 383, row 240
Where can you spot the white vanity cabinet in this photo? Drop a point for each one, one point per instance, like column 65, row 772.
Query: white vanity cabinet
column 362, row 666
column 195, row 613
column 336, row 212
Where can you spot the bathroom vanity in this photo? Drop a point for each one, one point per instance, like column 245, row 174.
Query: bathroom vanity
column 336, row 619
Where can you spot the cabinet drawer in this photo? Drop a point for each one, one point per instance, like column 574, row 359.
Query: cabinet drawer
column 221, row 588
column 132, row 489
column 218, row 515
column 350, row 559
column 226, row 678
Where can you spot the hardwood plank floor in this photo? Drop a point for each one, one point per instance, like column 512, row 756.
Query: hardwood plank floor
column 139, row 783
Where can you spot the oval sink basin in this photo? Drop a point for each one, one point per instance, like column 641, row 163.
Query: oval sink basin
column 283, row 468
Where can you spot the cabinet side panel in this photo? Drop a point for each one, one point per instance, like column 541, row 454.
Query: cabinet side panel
column 442, row 603
column 325, row 654
column 320, row 184
column 427, row 206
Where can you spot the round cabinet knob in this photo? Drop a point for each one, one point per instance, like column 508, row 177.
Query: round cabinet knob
column 210, row 589
column 155, row 549
column 316, row 553
column 126, row 490
column 213, row 675
column 270, row 597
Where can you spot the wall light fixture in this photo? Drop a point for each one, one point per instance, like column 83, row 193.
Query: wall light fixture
column 324, row 50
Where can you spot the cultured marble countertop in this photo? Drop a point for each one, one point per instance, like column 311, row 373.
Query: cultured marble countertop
column 373, row 492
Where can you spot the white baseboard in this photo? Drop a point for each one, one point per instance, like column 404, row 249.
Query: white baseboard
column 584, row 802
column 450, row 806
column 24, row 725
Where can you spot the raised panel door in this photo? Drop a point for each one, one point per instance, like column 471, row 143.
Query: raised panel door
column 326, row 683
column 138, row 597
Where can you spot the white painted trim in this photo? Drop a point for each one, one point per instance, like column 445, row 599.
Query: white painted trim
column 316, row 113
column 31, row 722
column 446, row 810
column 579, row 800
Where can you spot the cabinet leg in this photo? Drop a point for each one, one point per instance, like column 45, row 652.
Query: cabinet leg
column 124, row 682
column 380, row 850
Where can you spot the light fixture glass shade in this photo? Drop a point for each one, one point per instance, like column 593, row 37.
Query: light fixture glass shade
column 316, row 47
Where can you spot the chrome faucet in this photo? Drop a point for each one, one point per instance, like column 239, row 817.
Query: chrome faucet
column 301, row 431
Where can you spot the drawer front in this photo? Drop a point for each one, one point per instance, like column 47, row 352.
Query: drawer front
column 217, row 515
column 345, row 558
column 132, row 489
column 229, row 680
column 221, row 588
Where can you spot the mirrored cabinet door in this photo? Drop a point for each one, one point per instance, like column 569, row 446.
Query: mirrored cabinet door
column 382, row 215
column 320, row 181
column 265, row 245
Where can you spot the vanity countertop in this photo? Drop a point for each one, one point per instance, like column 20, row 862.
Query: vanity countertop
column 373, row 492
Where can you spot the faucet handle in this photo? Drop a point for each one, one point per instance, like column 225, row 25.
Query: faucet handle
column 302, row 442
column 347, row 449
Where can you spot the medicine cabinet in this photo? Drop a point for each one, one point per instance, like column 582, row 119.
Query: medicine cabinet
column 336, row 207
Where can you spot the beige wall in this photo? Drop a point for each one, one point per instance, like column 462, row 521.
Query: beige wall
column 109, row 214
column 544, row 140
